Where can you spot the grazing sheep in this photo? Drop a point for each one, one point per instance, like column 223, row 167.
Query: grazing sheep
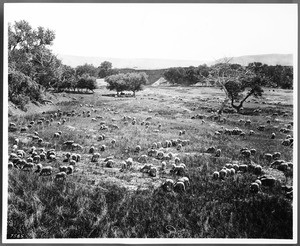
column 177, row 160
column 253, row 151
column 216, row 175
column 76, row 146
column 36, row 159
column 70, row 170
column 43, row 156
column 168, row 185
column 178, row 170
column 179, row 147
column 273, row 135
column 179, row 187
column 138, row 148
column 46, row 171
column 110, row 163
column 268, row 157
column 251, row 132
column 154, row 146
column 78, row 157
column 63, row 168
column 159, row 145
column 29, row 160
column 72, row 162
column 153, row 171
column 276, row 163
column 276, row 155
column 38, row 168
column 282, row 167
column 243, row 168
column 113, row 142
column 163, row 165
column 228, row 165
column 60, row 176
column 211, row 150
column 258, row 170
column 146, row 168
column 218, row 153
column 92, row 150
column 261, row 127
column 10, row 165
column 129, row 162
column 267, row 181
column 103, row 148
column 152, row 152
column 185, row 180
column 246, row 153
column 143, row 159
column 254, row 188
column 235, row 167
column 74, row 157
column 160, row 155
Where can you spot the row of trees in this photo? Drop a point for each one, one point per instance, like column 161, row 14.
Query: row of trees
column 272, row 76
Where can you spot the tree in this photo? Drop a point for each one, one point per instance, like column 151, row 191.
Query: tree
column 86, row 69
column 135, row 81
column 126, row 82
column 236, row 77
column 236, row 88
column 86, row 82
column 105, row 69
column 175, row 75
column 116, row 82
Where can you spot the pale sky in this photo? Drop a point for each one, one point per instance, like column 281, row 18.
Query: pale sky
column 167, row 31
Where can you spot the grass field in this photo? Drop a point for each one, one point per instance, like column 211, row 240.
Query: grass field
column 97, row 201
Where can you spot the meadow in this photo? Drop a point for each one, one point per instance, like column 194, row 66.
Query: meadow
column 104, row 202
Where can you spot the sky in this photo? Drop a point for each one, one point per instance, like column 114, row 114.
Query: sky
column 166, row 31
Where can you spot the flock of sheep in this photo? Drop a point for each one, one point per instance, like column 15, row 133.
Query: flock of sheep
column 39, row 159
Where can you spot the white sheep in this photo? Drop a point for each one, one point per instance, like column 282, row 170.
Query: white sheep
column 276, row 155
column 153, row 171
column 63, row 168
column 110, row 163
column 168, row 185
column 243, row 168
column 185, row 180
column 46, row 171
column 146, row 168
column 143, row 159
column 138, row 148
column 129, row 162
column 163, row 165
column 95, row 157
column 72, row 162
column 254, row 187
column 179, row 187
column 61, row 176
column 216, row 175
column 218, row 153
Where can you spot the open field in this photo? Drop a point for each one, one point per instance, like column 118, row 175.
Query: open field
column 100, row 201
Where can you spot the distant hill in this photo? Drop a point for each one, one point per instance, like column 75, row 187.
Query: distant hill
column 269, row 59
column 156, row 64
column 134, row 63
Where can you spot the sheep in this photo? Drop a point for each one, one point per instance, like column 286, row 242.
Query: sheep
column 246, row 153
column 143, row 159
column 76, row 146
column 153, row 171
column 254, row 188
column 56, row 135
column 258, row 182
column 177, row 160
column 168, row 185
column 235, row 167
column 276, row 163
column 46, row 171
column 163, row 165
column 70, row 170
column 273, row 135
column 248, row 122
column 185, row 180
column 178, row 170
column 154, row 146
column 179, row 147
column 60, row 176
column 146, row 168
column 251, row 132
column 63, row 168
column 243, row 168
column 253, row 151
column 52, row 157
column 110, row 163
column 92, row 150
column 218, row 153
column 258, row 170
column 261, row 127
column 267, row 181
column 216, row 175
column 36, row 159
column 276, row 155
column 282, row 167
column 159, row 145
column 113, row 142
column 138, row 148
column 152, row 152
column 10, row 165
column 38, row 168
column 160, row 155
column 228, row 165
column 72, row 162
column 211, row 150
column 43, row 156
column 268, row 157
column 179, row 187
column 103, row 147
column 232, row 171
column 74, row 157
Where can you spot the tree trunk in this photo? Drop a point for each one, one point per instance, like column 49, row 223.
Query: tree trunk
column 133, row 93
column 238, row 107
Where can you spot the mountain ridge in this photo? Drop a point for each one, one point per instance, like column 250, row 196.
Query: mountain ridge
column 151, row 63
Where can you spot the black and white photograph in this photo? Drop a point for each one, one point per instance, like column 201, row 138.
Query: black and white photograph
column 150, row 123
